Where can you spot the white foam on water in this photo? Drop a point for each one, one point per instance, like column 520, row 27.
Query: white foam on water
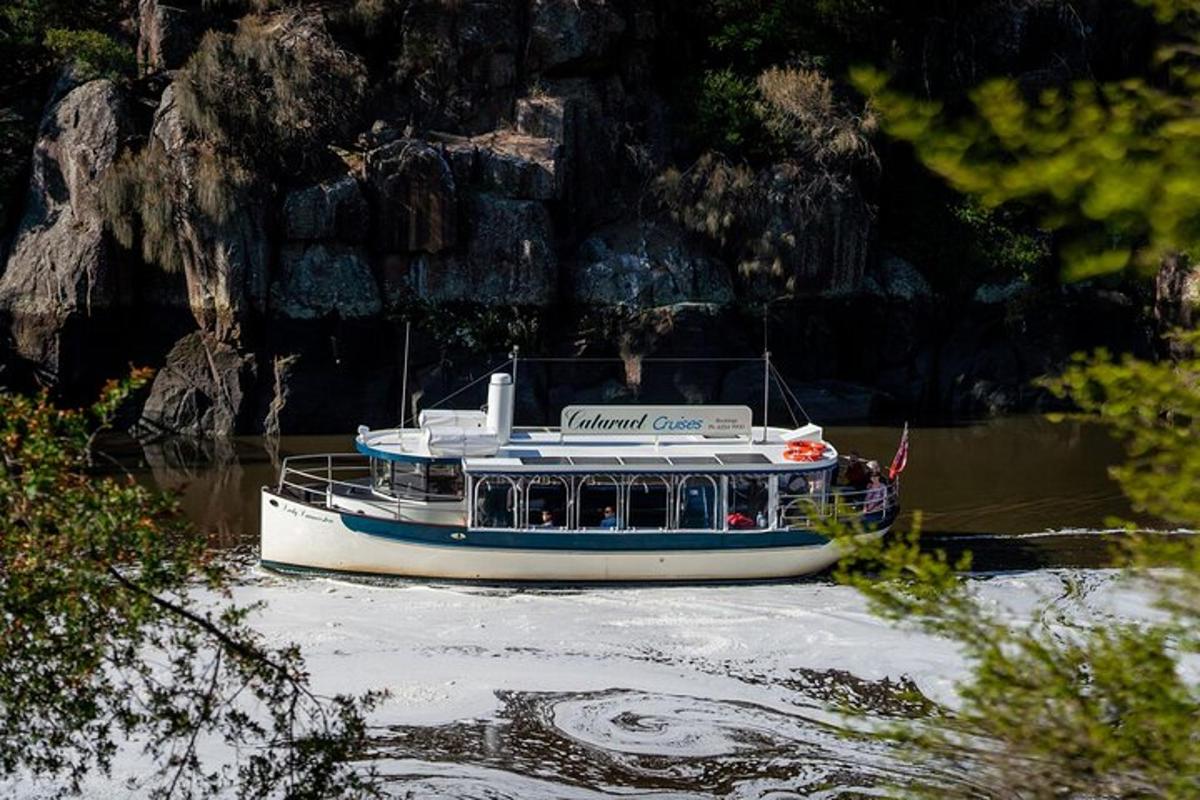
column 694, row 672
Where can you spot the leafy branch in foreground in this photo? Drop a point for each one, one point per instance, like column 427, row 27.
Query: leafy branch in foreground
column 1115, row 165
column 1053, row 707
column 104, row 640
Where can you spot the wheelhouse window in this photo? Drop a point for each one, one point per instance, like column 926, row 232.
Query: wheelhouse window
column 599, row 502
column 496, row 500
column 445, row 481
column 547, row 502
column 749, row 497
column 410, row 479
column 698, row 504
column 649, row 501
column 381, row 475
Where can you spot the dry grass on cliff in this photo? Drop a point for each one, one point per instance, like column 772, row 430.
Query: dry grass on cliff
column 801, row 111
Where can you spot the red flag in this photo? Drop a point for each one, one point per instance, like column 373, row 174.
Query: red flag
column 900, row 460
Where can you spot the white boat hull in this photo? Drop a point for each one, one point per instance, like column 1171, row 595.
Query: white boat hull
column 297, row 535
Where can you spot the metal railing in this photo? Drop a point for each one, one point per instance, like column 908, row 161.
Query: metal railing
column 839, row 503
column 311, row 478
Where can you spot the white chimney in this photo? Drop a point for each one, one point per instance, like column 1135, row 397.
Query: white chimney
column 500, row 406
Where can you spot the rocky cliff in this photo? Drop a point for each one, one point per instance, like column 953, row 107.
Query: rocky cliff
column 265, row 207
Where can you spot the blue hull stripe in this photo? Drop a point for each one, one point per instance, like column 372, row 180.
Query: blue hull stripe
column 628, row 541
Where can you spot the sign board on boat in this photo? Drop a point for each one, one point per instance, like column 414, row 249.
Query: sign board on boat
column 724, row 421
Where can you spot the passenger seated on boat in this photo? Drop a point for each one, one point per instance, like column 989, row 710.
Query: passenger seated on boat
column 858, row 473
column 547, row 519
column 609, row 520
column 876, row 500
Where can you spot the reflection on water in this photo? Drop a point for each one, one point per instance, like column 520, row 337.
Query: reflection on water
column 985, row 480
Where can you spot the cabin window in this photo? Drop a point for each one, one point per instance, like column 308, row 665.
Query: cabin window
column 410, row 479
column 496, row 502
column 648, row 499
column 600, row 502
column 749, row 497
column 381, row 475
column 800, row 496
column 699, row 503
column 547, row 502
column 445, row 481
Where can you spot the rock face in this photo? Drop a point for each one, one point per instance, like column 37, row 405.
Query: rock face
column 510, row 253
column 643, row 265
column 168, row 33
column 323, row 280
column 204, row 389
column 334, row 209
column 564, row 33
column 1177, row 297
column 60, row 266
column 225, row 257
column 415, row 197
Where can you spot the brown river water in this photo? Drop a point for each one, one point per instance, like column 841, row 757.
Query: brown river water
column 1020, row 492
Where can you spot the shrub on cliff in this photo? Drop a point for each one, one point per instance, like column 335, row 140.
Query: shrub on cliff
column 90, row 53
column 274, row 92
column 104, row 643
column 257, row 107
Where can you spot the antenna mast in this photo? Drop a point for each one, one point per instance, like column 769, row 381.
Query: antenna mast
column 404, row 379
column 766, row 390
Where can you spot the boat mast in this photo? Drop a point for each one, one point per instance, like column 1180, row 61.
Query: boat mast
column 404, row 379
column 766, row 390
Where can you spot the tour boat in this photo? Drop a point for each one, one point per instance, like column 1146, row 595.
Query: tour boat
column 615, row 493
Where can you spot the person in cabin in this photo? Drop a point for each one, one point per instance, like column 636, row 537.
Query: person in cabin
column 609, row 520
column 547, row 519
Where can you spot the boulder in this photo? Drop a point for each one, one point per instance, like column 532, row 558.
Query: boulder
column 203, row 390
column 415, row 197
column 224, row 258
column 896, row 279
column 571, row 33
column 516, row 165
column 331, row 210
column 646, row 264
column 506, row 163
column 59, row 264
column 168, row 34
column 324, row 279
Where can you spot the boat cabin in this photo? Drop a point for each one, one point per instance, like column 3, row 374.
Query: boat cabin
column 604, row 469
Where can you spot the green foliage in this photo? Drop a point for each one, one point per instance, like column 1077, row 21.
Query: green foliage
column 103, row 640
column 1052, row 708
column 91, row 53
column 1116, row 166
column 26, row 21
column 725, row 110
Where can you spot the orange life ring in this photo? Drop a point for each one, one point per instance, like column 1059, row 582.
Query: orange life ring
column 805, row 451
